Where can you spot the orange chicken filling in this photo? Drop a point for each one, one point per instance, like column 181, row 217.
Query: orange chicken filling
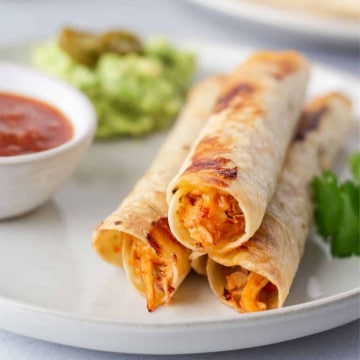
column 211, row 217
column 248, row 291
column 155, row 272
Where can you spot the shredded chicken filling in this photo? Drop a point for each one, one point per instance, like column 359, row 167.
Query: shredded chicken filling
column 155, row 273
column 212, row 218
column 248, row 291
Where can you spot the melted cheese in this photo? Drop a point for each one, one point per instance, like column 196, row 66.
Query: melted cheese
column 248, row 291
column 250, row 296
column 154, row 271
column 211, row 217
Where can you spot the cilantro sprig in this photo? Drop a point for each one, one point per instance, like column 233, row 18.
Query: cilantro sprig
column 337, row 210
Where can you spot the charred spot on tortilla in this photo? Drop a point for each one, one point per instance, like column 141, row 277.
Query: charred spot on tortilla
column 207, row 158
column 230, row 173
column 118, row 222
column 217, row 170
column 175, row 189
column 218, row 164
column 236, row 90
column 309, row 121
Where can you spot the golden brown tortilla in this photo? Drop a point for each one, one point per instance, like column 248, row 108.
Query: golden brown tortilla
column 258, row 275
column 219, row 197
column 137, row 233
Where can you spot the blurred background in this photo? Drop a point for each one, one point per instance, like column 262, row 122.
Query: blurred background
column 320, row 33
column 258, row 24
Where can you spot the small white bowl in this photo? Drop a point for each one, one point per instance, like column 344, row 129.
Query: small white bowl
column 27, row 181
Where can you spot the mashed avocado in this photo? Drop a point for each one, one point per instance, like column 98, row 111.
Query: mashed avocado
column 134, row 93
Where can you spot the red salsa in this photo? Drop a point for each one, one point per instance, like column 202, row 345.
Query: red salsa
column 28, row 125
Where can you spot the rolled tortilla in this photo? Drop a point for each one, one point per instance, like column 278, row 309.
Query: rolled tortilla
column 137, row 233
column 258, row 275
column 219, row 197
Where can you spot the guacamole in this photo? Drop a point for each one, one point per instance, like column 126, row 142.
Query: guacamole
column 133, row 93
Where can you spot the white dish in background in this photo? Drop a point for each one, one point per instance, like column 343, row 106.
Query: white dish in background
column 54, row 287
column 327, row 29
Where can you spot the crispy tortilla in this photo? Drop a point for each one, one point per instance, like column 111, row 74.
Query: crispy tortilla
column 219, row 197
column 258, row 275
column 137, row 233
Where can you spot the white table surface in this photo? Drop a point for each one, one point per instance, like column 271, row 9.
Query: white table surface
column 29, row 19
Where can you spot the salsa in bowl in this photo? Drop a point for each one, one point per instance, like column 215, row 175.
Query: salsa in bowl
column 45, row 127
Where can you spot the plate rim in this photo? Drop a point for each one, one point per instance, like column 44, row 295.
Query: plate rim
column 8, row 304
column 344, row 296
column 332, row 30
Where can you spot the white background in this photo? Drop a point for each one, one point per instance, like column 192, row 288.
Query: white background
column 29, row 19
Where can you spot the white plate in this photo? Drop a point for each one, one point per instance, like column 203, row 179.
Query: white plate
column 53, row 286
column 332, row 30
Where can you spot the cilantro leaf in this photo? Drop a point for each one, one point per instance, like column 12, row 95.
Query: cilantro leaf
column 354, row 163
column 337, row 210
column 345, row 240
column 327, row 203
column 353, row 190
